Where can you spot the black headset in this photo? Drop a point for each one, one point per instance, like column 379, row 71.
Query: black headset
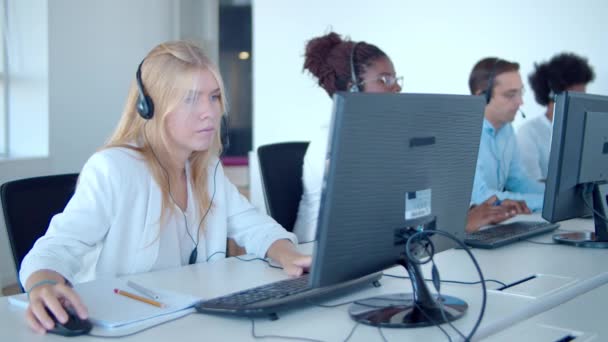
column 490, row 88
column 145, row 108
column 354, row 88
column 491, row 77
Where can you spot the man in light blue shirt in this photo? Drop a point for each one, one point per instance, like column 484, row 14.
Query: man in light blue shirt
column 500, row 171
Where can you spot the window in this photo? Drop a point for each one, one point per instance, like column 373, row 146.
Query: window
column 235, row 28
column 3, row 78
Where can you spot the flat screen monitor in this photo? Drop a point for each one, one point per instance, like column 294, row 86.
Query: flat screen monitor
column 578, row 167
column 398, row 163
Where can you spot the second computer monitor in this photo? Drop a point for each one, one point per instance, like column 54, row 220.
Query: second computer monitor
column 577, row 180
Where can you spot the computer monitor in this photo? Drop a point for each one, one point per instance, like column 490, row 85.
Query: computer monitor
column 397, row 163
column 578, row 166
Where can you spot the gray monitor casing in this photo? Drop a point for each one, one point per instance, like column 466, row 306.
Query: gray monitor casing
column 579, row 154
column 381, row 147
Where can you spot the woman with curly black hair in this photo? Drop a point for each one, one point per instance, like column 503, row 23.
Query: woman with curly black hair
column 565, row 71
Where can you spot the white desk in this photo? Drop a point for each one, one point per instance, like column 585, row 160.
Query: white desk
column 328, row 324
column 520, row 260
column 507, row 264
column 583, row 317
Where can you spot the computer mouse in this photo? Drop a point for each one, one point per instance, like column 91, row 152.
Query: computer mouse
column 73, row 327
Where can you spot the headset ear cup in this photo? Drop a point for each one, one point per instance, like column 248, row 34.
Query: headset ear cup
column 150, row 105
column 145, row 107
column 488, row 96
column 491, row 77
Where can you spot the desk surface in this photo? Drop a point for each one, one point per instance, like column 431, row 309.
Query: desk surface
column 583, row 317
column 564, row 266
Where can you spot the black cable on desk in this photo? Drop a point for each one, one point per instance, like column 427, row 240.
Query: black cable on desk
column 424, row 233
column 248, row 260
column 256, row 336
column 382, row 334
column 352, row 331
column 260, row 259
column 438, row 325
column 450, row 281
column 295, row 338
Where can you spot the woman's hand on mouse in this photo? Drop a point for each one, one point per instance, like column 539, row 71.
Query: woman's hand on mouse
column 46, row 292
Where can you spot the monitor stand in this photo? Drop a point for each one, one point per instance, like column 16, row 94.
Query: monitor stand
column 408, row 310
column 599, row 238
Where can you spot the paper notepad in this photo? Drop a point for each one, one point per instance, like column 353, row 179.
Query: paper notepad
column 108, row 310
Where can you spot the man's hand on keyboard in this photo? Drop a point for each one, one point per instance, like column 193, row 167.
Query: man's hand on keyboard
column 489, row 213
column 293, row 262
column 520, row 207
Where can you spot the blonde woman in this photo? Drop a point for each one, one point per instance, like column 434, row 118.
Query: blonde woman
column 155, row 196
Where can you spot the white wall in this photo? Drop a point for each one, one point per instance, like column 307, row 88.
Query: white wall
column 93, row 51
column 433, row 44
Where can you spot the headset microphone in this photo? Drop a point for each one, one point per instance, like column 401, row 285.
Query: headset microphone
column 523, row 115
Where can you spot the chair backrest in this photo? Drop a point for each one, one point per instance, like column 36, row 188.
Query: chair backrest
column 28, row 206
column 281, row 170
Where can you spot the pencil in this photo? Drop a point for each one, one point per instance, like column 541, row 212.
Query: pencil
column 139, row 298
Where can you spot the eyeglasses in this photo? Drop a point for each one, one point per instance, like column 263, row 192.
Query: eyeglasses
column 388, row 81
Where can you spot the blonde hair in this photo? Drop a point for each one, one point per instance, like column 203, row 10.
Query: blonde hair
column 166, row 74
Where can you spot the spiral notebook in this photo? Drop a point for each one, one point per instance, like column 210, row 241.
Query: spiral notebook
column 116, row 315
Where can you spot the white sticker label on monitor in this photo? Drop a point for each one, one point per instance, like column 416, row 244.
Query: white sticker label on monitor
column 417, row 204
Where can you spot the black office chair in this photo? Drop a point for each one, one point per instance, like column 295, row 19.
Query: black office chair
column 28, row 206
column 281, row 170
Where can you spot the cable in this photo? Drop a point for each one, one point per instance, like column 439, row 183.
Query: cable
column 328, row 306
column 483, row 283
column 194, row 253
column 437, row 285
column 598, row 214
column 382, row 334
column 256, row 336
column 296, row 338
column 211, row 256
column 261, row 259
column 247, row 260
column 451, row 281
column 352, row 331
column 433, row 321
column 415, row 260
column 440, row 302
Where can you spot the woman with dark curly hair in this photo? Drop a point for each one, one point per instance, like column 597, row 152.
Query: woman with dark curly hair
column 565, row 71
column 337, row 64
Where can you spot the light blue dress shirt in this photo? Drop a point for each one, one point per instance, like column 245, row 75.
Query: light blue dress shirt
column 500, row 170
